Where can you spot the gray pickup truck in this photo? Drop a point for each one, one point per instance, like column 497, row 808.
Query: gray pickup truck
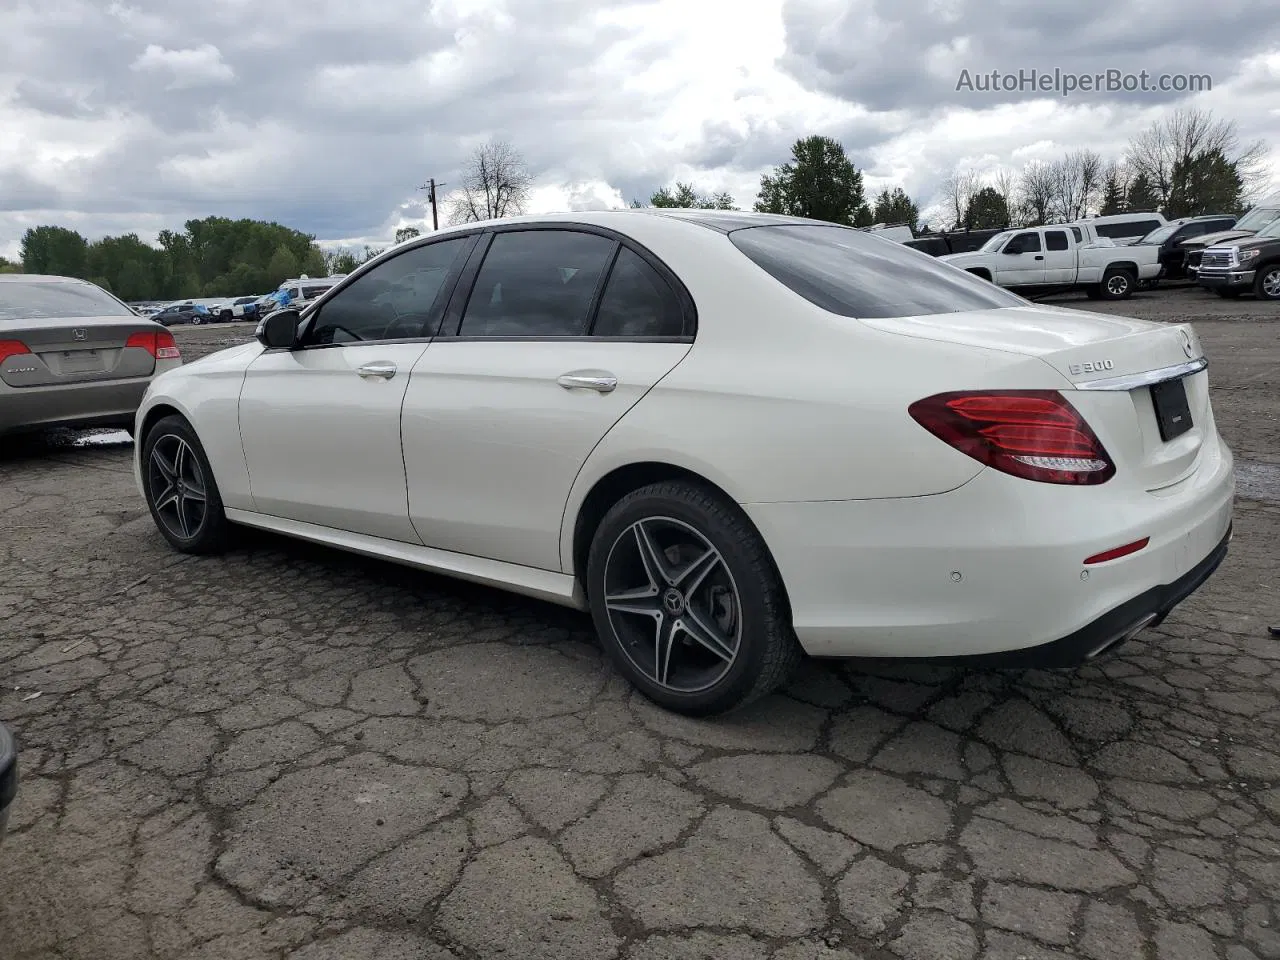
column 8, row 777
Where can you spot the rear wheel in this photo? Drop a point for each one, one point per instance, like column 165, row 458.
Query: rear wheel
column 1117, row 284
column 1266, row 286
column 687, row 600
column 180, row 489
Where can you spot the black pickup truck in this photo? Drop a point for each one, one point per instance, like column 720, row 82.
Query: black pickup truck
column 1244, row 264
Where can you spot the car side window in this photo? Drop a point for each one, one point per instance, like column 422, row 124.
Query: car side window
column 1056, row 240
column 637, row 302
column 537, row 283
column 396, row 300
column 1024, row 243
column 1079, row 235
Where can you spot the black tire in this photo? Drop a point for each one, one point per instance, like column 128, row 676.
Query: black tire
column 1093, row 292
column 1266, row 285
column 207, row 529
column 748, row 618
column 1117, row 284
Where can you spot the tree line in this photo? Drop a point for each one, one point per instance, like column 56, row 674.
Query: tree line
column 1187, row 164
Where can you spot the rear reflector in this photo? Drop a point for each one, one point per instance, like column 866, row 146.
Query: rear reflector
column 1115, row 553
column 12, row 348
column 1033, row 434
column 160, row 344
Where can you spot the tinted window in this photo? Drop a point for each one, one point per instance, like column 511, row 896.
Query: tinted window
column 1025, row 243
column 536, row 283
column 1133, row 228
column 393, row 301
column 1056, row 240
column 637, row 302
column 49, row 300
column 1075, row 231
column 855, row 275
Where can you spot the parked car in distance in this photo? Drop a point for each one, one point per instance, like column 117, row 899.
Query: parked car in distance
column 951, row 241
column 1258, row 216
column 185, row 312
column 731, row 437
column 1170, row 238
column 8, row 777
column 241, row 308
column 296, row 294
column 1124, row 229
column 1060, row 257
column 1246, row 264
column 71, row 354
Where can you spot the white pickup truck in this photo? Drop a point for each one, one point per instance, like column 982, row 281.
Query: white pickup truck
column 1066, row 256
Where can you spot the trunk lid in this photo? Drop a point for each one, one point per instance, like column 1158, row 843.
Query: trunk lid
column 75, row 350
column 1088, row 350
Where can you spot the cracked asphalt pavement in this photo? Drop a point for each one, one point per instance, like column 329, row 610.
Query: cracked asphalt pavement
column 292, row 752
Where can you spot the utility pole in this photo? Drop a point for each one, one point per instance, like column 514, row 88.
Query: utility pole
column 430, row 187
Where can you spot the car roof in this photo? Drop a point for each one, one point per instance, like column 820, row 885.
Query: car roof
column 39, row 278
column 722, row 221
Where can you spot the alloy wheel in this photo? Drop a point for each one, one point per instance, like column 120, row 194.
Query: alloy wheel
column 177, row 486
column 1117, row 285
column 673, row 604
column 1271, row 284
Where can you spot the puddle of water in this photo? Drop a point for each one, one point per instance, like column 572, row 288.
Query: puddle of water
column 1258, row 481
column 110, row 438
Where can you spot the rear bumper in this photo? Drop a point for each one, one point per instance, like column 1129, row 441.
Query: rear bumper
column 995, row 567
column 8, row 777
column 1232, row 279
column 101, row 403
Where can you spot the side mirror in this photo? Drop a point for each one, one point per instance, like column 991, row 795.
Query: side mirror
column 279, row 330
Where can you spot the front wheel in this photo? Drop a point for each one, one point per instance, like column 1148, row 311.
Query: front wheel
column 1266, row 286
column 180, row 489
column 1117, row 284
column 687, row 600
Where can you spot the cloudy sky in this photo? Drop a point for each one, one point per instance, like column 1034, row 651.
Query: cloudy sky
column 134, row 115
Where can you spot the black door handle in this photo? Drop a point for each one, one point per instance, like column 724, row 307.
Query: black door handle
column 1038, row 257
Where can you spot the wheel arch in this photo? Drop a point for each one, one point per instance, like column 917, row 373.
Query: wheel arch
column 1127, row 265
column 612, row 486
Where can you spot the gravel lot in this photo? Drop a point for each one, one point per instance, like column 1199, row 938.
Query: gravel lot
column 292, row 752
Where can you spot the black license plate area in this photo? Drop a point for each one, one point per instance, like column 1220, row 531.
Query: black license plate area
column 1173, row 410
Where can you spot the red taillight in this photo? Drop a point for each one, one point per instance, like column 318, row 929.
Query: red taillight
column 12, row 348
column 160, row 344
column 1033, row 434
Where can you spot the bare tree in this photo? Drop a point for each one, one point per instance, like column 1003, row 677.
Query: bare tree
column 495, row 184
column 1077, row 180
column 957, row 190
column 1005, row 183
column 1170, row 145
column 1035, row 192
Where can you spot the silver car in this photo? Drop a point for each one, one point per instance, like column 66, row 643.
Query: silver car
column 71, row 354
column 8, row 777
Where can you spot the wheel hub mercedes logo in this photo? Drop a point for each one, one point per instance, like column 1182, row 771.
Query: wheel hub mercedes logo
column 673, row 602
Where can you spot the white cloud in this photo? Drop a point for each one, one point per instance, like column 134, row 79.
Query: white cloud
column 187, row 68
column 328, row 117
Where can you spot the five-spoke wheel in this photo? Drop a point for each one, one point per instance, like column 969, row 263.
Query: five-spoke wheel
column 687, row 600
column 180, row 489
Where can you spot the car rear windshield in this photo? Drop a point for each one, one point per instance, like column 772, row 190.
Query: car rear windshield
column 852, row 274
column 52, row 300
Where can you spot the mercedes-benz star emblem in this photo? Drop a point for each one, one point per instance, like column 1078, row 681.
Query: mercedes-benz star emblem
column 1186, row 343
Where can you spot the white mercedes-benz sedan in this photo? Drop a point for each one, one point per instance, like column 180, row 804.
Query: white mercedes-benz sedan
column 731, row 437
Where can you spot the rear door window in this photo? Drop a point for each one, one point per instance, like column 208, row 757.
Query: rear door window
column 852, row 274
column 1056, row 240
